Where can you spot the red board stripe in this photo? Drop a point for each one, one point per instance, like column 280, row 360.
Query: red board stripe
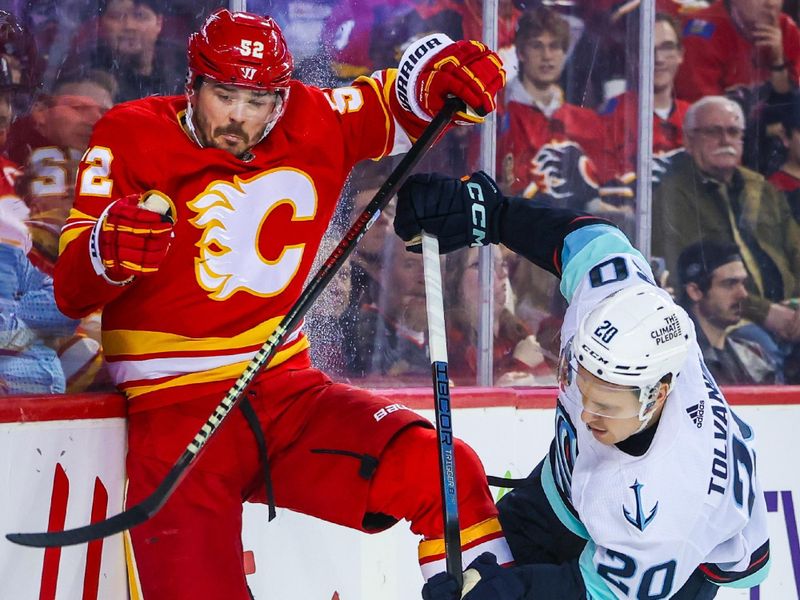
column 58, row 515
column 20, row 409
column 94, row 553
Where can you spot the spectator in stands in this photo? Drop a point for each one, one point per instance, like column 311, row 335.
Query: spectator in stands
column 508, row 15
column 6, row 116
column 621, row 112
column 370, row 254
column 545, row 143
column 19, row 60
column 712, row 196
column 366, row 35
column 517, row 357
column 787, row 178
column 130, row 46
column 29, row 318
column 713, row 291
column 737, row 43
column 330, row 323
column 392, row 329
column 49, row 143
column 9, row 170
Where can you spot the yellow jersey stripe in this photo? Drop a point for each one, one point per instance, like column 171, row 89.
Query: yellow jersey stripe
column 219, row 374
column 470, row 534
column 117, row 342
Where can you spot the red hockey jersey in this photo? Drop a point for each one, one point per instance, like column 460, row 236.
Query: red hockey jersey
column 717, row 57
column 9, row 173
column 246, row 232
column 48, row 187
column 621, row 118
column 525, row 131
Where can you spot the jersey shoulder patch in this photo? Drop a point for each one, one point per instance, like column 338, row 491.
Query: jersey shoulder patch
column 699, row 28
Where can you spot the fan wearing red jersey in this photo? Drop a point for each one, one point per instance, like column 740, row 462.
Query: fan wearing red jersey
column 251, row 164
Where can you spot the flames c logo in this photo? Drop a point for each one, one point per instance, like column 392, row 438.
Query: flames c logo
column 232, row 216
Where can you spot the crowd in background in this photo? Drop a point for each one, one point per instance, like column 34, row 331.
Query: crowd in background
column 726, row 172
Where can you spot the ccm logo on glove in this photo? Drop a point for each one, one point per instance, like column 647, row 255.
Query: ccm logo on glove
column 478, row 212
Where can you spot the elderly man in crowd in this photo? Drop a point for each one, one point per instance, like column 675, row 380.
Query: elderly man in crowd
column 712, row 196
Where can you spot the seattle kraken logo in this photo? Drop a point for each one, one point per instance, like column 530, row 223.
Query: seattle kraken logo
column 639, row 521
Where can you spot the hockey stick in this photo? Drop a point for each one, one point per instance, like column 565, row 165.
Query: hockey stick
column 139, row 513
column 437, row 342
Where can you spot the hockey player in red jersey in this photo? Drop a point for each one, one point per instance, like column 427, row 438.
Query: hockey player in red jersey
column 251, row 164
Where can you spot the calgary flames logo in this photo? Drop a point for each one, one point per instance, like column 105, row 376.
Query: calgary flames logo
column 561, row 169
column 232, row 216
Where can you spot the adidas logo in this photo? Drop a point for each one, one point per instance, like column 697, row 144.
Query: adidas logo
column 696, row 413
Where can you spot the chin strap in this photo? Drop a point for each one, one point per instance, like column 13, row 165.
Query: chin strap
column 190, row 121
column 280, row 103
column 647, row 403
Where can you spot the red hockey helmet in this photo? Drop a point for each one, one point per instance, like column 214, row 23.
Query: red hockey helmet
column 240, row 49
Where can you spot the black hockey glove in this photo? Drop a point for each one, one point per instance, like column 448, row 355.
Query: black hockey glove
column 441, row 586
column 484, row 579
column 459, row 213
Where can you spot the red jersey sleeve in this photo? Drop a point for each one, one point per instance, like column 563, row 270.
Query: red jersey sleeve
column 375, row 124
column 791, row 46
column 102, row 178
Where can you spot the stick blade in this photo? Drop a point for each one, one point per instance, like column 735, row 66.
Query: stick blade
column 80, row 535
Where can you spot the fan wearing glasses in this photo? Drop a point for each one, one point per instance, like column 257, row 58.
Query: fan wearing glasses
column 710, row 195
column 649, row 489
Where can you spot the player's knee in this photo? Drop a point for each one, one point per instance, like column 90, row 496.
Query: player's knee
column 420, row 446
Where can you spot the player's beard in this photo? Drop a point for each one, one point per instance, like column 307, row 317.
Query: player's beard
column 211, row 140
column 230, row 130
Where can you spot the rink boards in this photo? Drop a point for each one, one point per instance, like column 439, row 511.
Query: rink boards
column 62, row 463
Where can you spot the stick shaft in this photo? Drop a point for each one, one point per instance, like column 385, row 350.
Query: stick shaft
column 442, row 405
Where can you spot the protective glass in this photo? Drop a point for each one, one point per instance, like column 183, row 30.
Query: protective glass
column 594, row 396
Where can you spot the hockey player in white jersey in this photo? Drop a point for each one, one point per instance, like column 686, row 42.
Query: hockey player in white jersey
column 650, row 488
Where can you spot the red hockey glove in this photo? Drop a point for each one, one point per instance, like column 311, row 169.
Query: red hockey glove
column 131, row 238
column 436, row 67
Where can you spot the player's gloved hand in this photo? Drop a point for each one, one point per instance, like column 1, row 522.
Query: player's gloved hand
column 130, row 240
column 484, row 579
column 435, row 67
column 459, row 212
column 441, row 586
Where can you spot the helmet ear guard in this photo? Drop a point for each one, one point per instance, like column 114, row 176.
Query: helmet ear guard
column 637, row 337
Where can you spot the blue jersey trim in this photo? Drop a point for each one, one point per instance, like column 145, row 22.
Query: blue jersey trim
column 596, row 587
column 557, row 504
column 584, row 248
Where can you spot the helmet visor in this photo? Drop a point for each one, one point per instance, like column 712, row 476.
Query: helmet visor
column 591, row 394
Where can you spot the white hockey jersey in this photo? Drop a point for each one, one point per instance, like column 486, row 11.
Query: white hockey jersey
column 693, row 499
